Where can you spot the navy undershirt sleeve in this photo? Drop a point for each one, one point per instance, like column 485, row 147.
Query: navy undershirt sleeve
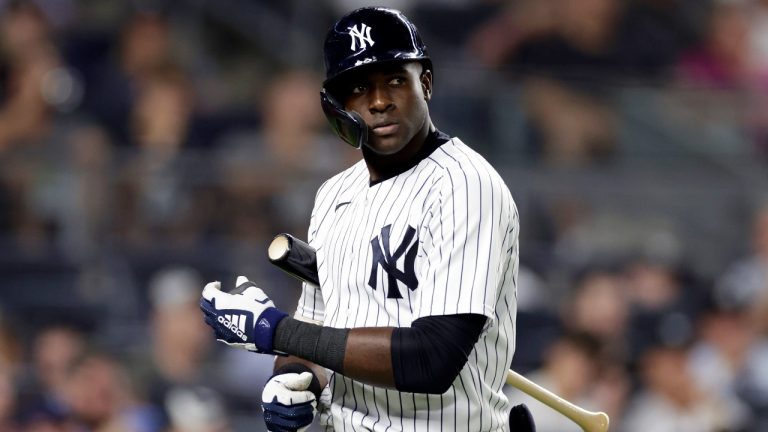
column 427, row 357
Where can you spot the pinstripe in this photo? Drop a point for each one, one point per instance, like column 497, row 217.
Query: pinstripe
column 480, row 221
column 424, row 200
column 450, row 252
column 335, row 276
column 474, row 272
column 354, row 401
column 386, row 393
column 474, row 372
column 469, row 407
column 337, row 260
column 355, row 242
column 485, row 341
column 368, row 254
column 360, row 296
column 341, row 269
column 335, row 196
column 498, row 299
column 386, row 218
column 453, row 201
column 378, row 224
column 329, row 206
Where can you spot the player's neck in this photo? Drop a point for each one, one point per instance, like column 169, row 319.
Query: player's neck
column 382, row 167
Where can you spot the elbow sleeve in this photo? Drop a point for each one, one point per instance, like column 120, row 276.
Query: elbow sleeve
column 427, row 357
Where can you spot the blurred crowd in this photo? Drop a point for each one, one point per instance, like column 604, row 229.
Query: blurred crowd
column 147, row 147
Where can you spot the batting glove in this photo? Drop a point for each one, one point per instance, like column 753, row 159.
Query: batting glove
column 245, row 320
column 288, row 403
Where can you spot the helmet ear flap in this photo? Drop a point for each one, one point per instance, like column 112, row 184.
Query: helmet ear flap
column 348, row 125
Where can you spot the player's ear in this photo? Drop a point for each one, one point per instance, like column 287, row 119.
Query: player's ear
column 426, row 84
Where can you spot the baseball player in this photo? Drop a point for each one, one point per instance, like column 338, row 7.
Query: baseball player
column 412, row 326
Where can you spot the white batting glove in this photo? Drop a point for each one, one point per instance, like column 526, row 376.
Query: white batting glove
column 247, row 319
column 287, row 402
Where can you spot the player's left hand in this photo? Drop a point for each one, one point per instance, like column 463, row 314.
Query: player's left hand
column 245, row 320
column 288, row 403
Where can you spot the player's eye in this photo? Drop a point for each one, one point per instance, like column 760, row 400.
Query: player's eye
column 359, row 89
column 397, row 81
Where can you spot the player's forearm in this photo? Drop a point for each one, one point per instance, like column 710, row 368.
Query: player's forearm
column 369, row 358
column 363, row 354
column 424, row 358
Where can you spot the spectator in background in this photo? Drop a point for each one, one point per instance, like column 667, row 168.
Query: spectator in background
column 577, row 39
column 652, row 284
column 29, row 54
column 560, row 52
column 196, row 410
column 501, row 36
column 54, row 350
column 599, row 307
column 100, row 398
column 180, row 356
column 8, row 402
column 724, row 59
column 288, row 155
column 758, row 16
column 731, row 356
column 669, row 398
column 747, row 278
column 142, row 45
column 270, row 174
column 729, row 70
column 161, row 199
column 570, row 55
column 10, row 346
column 52, row 164
column 568, row 127
column 570, row 370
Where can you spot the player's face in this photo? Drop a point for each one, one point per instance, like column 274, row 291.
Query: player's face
column 392, row 99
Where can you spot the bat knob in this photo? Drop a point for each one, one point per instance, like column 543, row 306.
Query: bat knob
column 601, row 422
column 279, row 247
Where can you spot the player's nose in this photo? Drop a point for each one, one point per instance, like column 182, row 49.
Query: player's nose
column 379, row 99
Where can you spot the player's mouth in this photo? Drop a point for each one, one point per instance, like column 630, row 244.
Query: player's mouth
column 385, row 129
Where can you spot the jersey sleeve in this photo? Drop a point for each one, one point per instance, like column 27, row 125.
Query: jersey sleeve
column 310, row 306
column 469, row 239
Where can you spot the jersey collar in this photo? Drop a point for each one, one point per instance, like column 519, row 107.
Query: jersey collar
column 434, row 140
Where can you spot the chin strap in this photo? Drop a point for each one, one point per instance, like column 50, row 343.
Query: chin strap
column 348, row 125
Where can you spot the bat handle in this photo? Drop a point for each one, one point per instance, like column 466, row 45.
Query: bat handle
column 588, row 420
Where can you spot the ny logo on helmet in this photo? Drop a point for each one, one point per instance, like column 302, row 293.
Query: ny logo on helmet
column 360, row 36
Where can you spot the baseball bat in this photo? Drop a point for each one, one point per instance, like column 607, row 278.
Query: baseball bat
column 298, row 259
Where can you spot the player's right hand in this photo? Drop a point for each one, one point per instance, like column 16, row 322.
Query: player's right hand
column 287, row 402
column 246, row 320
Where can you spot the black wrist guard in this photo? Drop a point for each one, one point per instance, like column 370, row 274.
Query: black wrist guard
column 324, row 346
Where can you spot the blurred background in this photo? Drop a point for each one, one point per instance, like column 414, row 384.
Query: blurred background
column 147, row 147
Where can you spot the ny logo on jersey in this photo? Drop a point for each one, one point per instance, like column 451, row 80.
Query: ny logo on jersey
column 383, row 256
column 360, row 36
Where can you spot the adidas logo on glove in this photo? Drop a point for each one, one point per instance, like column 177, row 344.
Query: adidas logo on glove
column 231, row 322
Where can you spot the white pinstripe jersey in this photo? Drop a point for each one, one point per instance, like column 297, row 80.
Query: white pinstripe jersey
column 450, row 223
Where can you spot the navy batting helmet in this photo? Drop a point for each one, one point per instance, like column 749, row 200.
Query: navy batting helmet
column 363, row 37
